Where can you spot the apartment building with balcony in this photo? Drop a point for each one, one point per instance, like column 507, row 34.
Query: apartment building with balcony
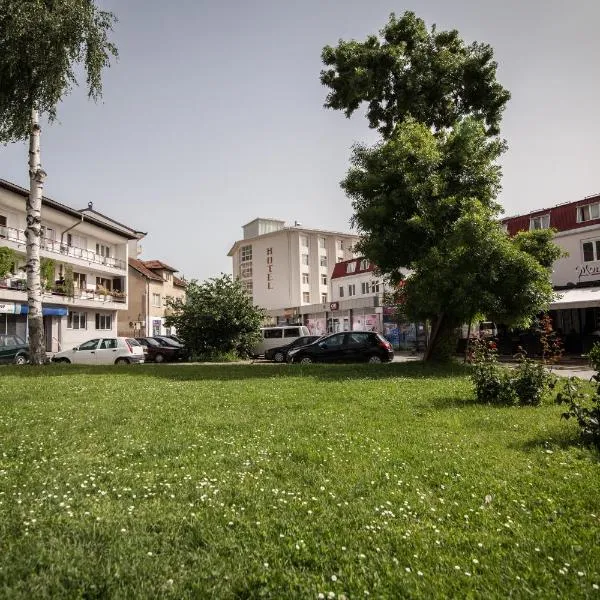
column 85, row 265
column 287, row 269
column 151, row 284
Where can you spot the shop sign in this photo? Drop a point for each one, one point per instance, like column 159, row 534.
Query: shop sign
column 588, row 270
column 334, row 306
column 10, row 308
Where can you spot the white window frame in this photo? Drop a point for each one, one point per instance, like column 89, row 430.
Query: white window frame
column 589, row 208
column 365, row 263
column 246, row 253
column 351, row 267
column 323, row 297
column 323, row 279
column 365, row 287
column 246, row 270
column 304, row 260
column 375, row 287
column 103, row 322
column 156, row 300
column 322, row 242
column 77, row 320
column 351, row 290
column 539, row 222
column 306, row 297
column 305, row 279
column 323, row 260
column 304, row 241
column 341, row 291
column 595, row 242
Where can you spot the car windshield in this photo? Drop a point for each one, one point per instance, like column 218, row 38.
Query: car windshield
column 167, row 342
column 151, row 342
column 11, row 340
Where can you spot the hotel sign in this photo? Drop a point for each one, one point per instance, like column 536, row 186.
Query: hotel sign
column 588, row 270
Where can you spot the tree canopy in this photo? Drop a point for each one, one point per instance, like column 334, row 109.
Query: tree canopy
column 424, row 196
column 216, row 317
column 42, row 43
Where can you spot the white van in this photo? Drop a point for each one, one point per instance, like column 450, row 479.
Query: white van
column 272, row 337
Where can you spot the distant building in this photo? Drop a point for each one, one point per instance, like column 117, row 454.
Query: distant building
column 151, row 283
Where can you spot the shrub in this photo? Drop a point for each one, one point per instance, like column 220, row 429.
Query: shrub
column 531, row 380
column 583, row 408
column 594, row 356
column 492, row 381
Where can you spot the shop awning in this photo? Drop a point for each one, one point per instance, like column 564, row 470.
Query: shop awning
column 576, row 298
column 48, row 311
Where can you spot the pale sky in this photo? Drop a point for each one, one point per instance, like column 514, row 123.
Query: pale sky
column 213, row 115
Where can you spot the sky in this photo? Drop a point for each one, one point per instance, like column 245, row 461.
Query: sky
column 213, row 115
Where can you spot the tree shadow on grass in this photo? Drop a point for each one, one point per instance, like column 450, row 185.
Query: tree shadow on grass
column 237, row 371
column 559, row 439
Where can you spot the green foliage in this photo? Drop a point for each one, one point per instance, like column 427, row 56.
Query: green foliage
column 585, row 409
column 432, row 76
column 531, row 381
column 44, row 44
column 7, row 260
column 492, row 382
column 216, row 316
column 69, row 281
column 538, row 243
column 594, row 356
column 47, row 272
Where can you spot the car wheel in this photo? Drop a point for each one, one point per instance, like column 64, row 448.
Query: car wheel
column 21, row 359
column 375, row 359
column 159, row 358
column 121, row 361
column 64, row 361
column 279, row 357
column 305, row 360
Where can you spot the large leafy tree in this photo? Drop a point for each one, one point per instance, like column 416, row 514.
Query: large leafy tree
column 43, row 45
column 216, row 317
column 424, row 197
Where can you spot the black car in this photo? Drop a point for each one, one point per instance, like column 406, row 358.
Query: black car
column 183, row 353
column 350, row 346
column 157, row 352
column 13, row 349
column 279, row 354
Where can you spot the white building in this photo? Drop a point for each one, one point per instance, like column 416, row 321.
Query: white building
column 287, row 270
column 86, row 257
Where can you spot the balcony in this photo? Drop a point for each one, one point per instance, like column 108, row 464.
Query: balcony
column 53, row 247
column 15, row 289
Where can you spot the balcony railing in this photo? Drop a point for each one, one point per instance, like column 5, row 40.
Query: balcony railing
column 18, row 235
column 20, row 285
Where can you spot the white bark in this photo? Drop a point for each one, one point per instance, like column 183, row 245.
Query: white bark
column 37, row 353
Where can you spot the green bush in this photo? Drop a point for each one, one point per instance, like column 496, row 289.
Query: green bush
column 531, row 381
column 583, row 407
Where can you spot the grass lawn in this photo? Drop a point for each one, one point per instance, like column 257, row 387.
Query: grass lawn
column 246, row 481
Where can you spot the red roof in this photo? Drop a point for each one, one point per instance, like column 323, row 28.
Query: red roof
column 361, row 265
column 179, row 282
column 157, row 264
column 139, row 266
column 562, row 217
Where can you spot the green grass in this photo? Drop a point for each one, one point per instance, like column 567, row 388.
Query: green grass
column 246, row 481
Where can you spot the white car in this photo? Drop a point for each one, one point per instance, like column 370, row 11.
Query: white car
column 103, row 351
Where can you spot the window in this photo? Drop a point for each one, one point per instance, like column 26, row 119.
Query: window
column 246, row 270
column 365, row 287
column 351, row 290
column 323, row 279
column 155, row 299
column 321, row 242
column 323, row 298
column 247, row 285
column 375, row 287
column 101, row 249
column 245, row 253
column 591, row 250
column 167, row 276
column 103, row 321
column 541, row 222
column 291, row 332
column 91, row 345
column 304, row 241
column 80, row 281
column 340, row 245
column 269, row 251
column 103, row 283
column 305, row 278
column 305, row 259
column 335, row 340
column 341, row 291
column 77, row 320
column 306, row 297
column 109, row 344
column 272, row 334
column 323, row 261
column 351, row 267
column 364, row 264
column 588, row 212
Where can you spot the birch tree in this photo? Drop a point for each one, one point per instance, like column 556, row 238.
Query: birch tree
column 43, row 43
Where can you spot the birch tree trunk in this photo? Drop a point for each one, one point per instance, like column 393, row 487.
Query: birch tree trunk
column 37, row 351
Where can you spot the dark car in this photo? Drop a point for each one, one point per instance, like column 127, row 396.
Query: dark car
column 279, row 354
column 157, row 352
column 13, row 349
column 174, row 338
column 350, row 346
column 165, row 341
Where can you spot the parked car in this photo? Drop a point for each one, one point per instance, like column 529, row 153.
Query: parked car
column 157, row 352
column 272, row 337
column 13, row 349
column 279, row 353
column 103, row 351
column 351, row 346
column 182, row 353
column 174, row 338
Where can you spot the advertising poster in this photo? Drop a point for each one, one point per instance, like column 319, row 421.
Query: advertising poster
column 317, row 326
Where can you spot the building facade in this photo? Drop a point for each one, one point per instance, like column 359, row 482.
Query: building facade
column 287, row 270
column 576, row 276
column 151, row 283
column 84, row 270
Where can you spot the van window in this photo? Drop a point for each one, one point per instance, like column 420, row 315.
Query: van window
column 291, row 332
column 270, row 334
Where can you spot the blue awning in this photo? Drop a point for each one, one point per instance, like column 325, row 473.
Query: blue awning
column 48, row 311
